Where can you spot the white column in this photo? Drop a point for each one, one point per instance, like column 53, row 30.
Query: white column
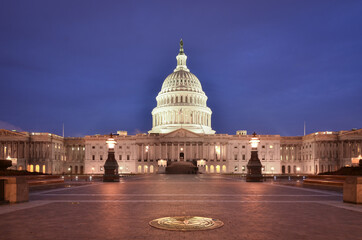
column 191, row 150
column 221, row 152
column 208, row 151
column 185, row 146
column 142, row 155
column 178, row 152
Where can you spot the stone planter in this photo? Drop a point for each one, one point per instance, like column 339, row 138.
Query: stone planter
column 352, row 190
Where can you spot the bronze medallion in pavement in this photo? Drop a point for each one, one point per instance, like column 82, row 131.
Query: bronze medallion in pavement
column 186, row 223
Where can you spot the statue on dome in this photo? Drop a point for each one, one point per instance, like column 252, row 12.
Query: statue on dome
column 181, row 47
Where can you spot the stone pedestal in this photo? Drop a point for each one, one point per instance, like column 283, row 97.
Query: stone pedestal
column 202, row 169
column 161, row 169
column 16, row 189
column 111, row 168
column 352, row 190
column 254, row 168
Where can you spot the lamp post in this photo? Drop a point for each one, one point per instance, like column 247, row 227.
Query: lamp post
column 111, row 165
column 254, row 165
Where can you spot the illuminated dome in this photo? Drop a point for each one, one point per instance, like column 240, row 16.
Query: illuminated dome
column 181, row 80
column 181, row 103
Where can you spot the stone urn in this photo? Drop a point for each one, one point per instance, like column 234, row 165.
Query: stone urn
column 4, row 164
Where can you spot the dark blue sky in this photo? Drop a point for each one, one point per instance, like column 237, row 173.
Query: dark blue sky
column 97, row 66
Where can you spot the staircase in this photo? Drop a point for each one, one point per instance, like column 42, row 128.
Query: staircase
column 181, row 168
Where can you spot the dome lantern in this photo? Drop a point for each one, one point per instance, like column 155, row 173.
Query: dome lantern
column 181, row 59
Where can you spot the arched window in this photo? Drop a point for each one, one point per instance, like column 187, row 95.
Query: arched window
column 212, row 169
column 217, row 168
column 223, row 168
column 139, row 170
column 43, row 169
column 37, row 168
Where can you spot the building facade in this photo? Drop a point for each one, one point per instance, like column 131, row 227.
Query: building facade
column 181, row 131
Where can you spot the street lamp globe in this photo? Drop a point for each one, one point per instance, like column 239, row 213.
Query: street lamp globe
column 254, row 141
column 111, row 142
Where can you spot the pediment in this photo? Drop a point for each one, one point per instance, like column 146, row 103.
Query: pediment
column 182, row 133
column 8, row 133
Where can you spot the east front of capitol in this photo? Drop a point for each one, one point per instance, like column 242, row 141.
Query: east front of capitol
column 181, row 131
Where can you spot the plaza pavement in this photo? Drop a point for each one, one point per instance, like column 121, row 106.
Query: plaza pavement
column 123, row 210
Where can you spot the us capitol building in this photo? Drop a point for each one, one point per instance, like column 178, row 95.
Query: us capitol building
column 181, row 131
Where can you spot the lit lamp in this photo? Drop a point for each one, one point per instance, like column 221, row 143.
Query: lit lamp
column 111, row 165
column 147, row 148
column 254, row 165
column 201, row 163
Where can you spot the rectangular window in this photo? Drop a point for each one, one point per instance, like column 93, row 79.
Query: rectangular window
column 93, row 157
column 93, row 147
column 127, row 157
column 263, row 146
column 243, row 156
column 101, row 168
column 100, row 157
column 236, row 157
column 120, row 157
column 243, row 146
